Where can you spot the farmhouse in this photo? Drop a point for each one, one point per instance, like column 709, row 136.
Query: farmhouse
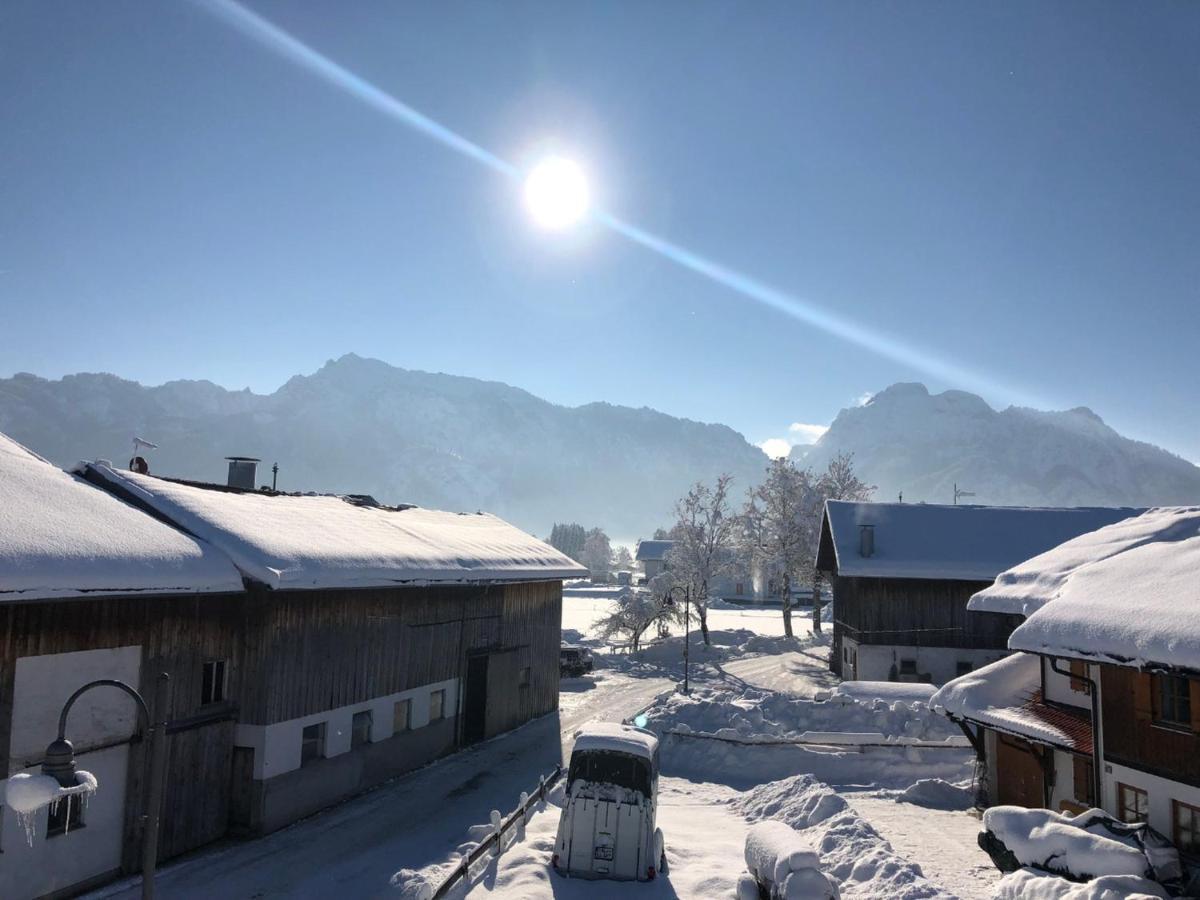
column 317, row 646
column 1100, row 706
column 652, row 557
column 901, row 575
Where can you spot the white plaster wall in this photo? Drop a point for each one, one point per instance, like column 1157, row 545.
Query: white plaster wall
column 277, row 746
column 1058, row 687
column 1160, row 792
column 1064, row 780
column 41, row 686
column 875, row 661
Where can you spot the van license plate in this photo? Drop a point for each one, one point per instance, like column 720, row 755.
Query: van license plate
column 603, row 852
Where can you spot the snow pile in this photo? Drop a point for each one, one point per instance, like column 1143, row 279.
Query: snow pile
column 1069, row 845
column 25, row 794
column 311, row 541
column 848, row 847
column 412, row 884
column 888, row 691
column 934, row 793
column 62, row 537
column 1027, row 884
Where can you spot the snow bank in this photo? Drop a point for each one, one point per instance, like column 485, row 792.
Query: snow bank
column 889, row 691
column 1059, row 843
column 934, row 793
column 62, row 537
column 850, row 850
column 412, row 884
column 1027, row 884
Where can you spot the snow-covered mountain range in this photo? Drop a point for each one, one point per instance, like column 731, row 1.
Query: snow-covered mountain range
column 363, row 426
column 907, row 440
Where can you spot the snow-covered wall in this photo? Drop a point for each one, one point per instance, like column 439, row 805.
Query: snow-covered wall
column 881, row 662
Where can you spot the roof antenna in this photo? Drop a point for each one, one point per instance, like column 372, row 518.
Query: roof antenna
column 902, row 496
column 274, row 475
column 958, row 493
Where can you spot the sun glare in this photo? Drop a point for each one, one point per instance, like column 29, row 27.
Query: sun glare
column 556, row 193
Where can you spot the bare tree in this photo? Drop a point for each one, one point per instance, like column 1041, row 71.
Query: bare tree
column 777, row 526
column 704, row 532
column 839, row 481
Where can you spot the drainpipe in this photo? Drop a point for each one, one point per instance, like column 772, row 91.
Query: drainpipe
column 1094, row 695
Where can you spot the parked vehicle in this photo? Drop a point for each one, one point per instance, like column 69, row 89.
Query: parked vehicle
column 574, row 661
column 607, row 829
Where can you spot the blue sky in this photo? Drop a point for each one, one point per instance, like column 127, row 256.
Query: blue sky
column 1011, row 190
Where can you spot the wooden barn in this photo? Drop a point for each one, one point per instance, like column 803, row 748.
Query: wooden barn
column 1100, row 705
column 901, row 575
column 317, row 646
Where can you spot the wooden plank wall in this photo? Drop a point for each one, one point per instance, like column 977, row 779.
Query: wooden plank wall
column 1130, row 736
column 916, row 612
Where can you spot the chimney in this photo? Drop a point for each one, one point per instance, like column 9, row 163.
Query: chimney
column 242, row 470
column 866, row 540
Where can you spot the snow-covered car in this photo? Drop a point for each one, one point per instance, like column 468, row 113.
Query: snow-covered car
column 607, row 829
column 574, row 661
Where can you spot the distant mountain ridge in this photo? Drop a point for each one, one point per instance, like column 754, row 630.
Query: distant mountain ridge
column 362, row 426
column 907, row 440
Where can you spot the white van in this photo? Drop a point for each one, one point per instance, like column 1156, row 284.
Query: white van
column 607, row 829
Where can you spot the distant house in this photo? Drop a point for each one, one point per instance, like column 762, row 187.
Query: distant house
column 901, row 575
column 1100, row 706
column 317, row 646
column 651, row 557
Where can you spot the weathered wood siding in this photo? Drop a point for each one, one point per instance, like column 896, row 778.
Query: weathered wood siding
column 1132, row 738
column 177, row 635
column 917, row 612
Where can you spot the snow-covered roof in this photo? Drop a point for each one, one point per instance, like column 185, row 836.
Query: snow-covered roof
column 966, row 543
column 289, row 541
column 652, row 550
column 612, row 736
column 62, row 537
column 1006, row 695
column 1128, row 594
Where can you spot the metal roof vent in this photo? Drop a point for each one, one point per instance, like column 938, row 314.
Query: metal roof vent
column 866, row 540
column 242, row 470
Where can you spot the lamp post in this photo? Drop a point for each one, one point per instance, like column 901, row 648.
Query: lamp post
column 60, row 763
column 687, row 621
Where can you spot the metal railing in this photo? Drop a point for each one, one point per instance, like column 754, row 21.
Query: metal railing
column 496, row 838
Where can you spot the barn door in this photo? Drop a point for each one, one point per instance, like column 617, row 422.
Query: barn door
column 196, row 807
column 475, row 694
column 1020, row 778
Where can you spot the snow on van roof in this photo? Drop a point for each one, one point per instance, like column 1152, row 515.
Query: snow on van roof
column 61, row 537
column 616, row 738
column 966, row 543
column 323, row 541
column 1127, row 594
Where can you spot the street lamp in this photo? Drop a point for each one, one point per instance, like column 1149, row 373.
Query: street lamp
column 687, row 620
column 60, row 763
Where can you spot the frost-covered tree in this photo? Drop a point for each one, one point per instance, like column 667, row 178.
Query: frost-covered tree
column 622, row 559
column 597, row 554
column 633, row 612
column 568, row 538
column 704, row 532
column 839, row 481
column 778, row 527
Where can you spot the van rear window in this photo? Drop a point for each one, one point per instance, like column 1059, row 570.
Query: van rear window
column 608, row 767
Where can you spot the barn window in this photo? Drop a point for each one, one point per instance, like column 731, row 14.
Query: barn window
column 65, row 816
column 908, row 667
column 1172, row 695
column 361, row 730
column 1133, row 804
column 312, row 743
column 402, row 716
column 741, row 588
column 1187, row 826
column 524, row 682
column 212, row 688
column 1078, row 674
column 437, row 705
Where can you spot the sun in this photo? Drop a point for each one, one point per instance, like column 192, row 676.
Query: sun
column 556, row 193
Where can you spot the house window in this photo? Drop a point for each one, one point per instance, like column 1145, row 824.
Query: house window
column 437, row 705
column 65, row 816
column 361, row 729
column 1133, row 804
column 1078, row 674
column 212, row 688
column 402, row 716
column 525, row 675
column 908, row 668
column 1173, row 702
column 740, row 588
column 962, row 667
column 1187, row 826
column 1085, row 781
column 312, row 743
